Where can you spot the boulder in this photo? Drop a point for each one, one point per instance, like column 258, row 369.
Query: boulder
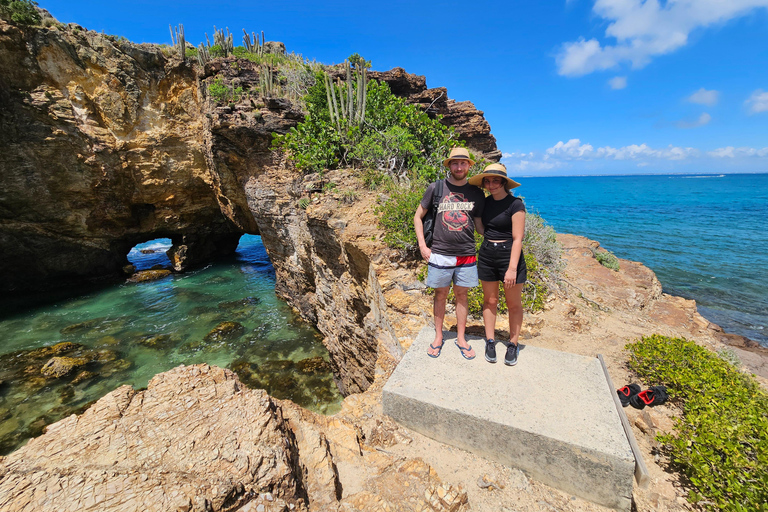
column 61, row 366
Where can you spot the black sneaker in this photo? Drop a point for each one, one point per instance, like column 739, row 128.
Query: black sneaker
column 490, row 351
column 626, row 393
column 511, row 358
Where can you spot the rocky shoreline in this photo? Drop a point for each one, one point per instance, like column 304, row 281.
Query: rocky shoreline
column 198, row 439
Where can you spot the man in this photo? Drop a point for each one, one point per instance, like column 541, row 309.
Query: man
column 452, row 255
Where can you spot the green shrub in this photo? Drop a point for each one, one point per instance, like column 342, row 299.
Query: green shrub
column 397, row 140
column 606, row 259
column 221, row 93
column 23, row 12
column 721, row 442
column 396, row 217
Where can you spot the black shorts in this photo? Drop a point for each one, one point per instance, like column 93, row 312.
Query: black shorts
column 493, row 262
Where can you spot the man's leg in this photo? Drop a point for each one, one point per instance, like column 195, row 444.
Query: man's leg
column 462, row 311
column 438, row 309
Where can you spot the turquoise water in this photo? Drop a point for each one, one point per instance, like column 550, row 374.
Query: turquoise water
column 704, row 236
column 131, row 332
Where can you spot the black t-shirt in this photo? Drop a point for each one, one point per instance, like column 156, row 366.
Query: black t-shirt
column 454, row 226
column 497, row 216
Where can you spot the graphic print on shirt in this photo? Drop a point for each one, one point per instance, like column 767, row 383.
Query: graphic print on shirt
column 454, row 211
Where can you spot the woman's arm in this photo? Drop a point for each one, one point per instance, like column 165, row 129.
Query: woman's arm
column 518, row 231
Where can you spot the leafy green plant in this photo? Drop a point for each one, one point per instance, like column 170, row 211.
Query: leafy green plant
column 23, row 12
column 721, row 442
column 606, row 259
column 303, row 203
column 395, row 139
column 221, row 93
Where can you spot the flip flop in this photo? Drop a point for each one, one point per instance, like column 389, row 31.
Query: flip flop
column 464, row 351
column 439, row 350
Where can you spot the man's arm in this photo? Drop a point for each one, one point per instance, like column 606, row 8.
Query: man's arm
column 418, row 226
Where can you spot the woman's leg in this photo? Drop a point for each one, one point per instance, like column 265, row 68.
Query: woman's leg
column 514, row 299
column 490, row 306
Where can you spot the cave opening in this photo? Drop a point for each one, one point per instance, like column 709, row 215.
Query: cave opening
column 151, row 254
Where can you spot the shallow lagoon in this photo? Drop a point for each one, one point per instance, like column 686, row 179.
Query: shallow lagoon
column 131, row 332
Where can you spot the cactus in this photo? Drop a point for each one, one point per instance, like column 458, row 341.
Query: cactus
column 352, row 98
column 224, row 41
column 179, row 41
column 203, row 57
column 255, row 46
column 266, row 82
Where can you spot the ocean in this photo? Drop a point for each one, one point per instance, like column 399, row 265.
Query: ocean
column 704, row 236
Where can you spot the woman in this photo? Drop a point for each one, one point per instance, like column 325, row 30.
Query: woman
column 501, row 257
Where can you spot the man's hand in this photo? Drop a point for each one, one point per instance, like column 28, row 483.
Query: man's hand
column 426, row 252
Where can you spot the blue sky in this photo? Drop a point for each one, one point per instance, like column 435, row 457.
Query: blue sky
column 568, row 86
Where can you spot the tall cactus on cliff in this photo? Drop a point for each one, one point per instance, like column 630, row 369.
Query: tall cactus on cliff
column 224, row 41
column 351, row 95
column 203, row 57
column 255, row 47
column 266, row 81
column 179, row 42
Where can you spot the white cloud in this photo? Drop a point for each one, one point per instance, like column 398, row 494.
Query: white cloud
column 575, row 150
column 732, row 152
column 758, row 102
column 571, row 149
column 644, row 29
column 704, row 97
column 703, row 119
column 517, row 155
column 618, row 82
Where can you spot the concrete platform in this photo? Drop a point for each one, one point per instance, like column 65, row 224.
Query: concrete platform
column 552, row 415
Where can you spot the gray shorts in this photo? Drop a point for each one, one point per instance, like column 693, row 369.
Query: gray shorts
column 443, row 270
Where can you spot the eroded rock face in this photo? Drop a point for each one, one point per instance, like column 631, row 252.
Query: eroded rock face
column 197, row 439
column 103, row 147
column 106, row 144
column 462, row 115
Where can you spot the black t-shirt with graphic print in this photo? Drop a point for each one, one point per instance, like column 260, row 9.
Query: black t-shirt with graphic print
column 454, row 226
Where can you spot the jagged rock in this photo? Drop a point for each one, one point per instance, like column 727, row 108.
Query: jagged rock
column 60, row 366
column 157, row 341
column 469, row 122
column 159, row 447
column 225, row 331
column 196, row 439
column 148, row 275
column 313, row 365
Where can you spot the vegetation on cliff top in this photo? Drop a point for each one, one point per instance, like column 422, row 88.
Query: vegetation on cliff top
column 721, row 442
column 23, row 12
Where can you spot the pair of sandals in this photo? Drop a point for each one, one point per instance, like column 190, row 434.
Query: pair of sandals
column 632, row 395
column 439, row 349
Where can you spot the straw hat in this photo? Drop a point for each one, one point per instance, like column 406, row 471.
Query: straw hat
column 458, row 154
column 493, row 171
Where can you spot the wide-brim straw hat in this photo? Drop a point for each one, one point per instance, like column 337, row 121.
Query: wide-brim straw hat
column 458, row 154
column 493, row 171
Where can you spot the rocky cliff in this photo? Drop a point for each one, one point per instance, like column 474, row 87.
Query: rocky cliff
column 105, row 144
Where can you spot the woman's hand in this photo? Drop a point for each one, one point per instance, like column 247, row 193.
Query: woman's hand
column 510, row 277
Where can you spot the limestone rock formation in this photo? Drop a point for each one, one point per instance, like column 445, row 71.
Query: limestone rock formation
column 462, row 115
column 198, row 440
